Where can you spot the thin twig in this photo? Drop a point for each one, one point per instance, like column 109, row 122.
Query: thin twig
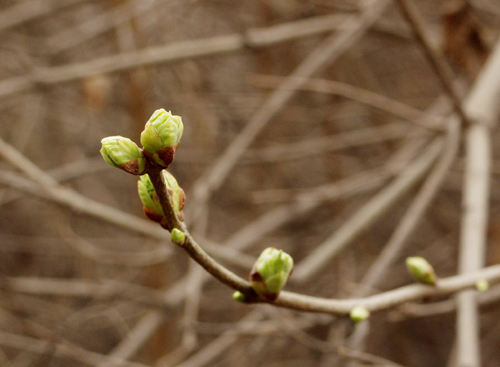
column 376, row 100
column 192, row 307
column 28, row 10
column 314, row 304
column 411, row 310
column 247, row 236
column 326, row 53
column 68, row 172
column 407, row 224
column 190, row 245
column 304, row 149
column 60, row 350
column 102, row 290
column 128, row 258
column 361, row 220
column 219, row 345
column 287, row 324
column 366, row 357
column 415, row 211
column 97, row 24
column 68, row 197
column 308, row 201
column 280, row 215
column 382, row 301
column 134, row 339
column 436, row 59
column 173, row 52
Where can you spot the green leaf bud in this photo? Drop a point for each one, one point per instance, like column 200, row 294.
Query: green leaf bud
column 271, row 272
column 482, row 285
column 161, row 137
column 147, row 194
column 238, row 296
column 421, row 270
column 123, row 153
column 359, row 313
column 175, row 192
column 178, row 237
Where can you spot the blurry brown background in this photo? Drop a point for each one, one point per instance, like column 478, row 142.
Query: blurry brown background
column 79, row 289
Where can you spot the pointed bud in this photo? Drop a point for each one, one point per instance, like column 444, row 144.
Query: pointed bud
column 359, row 313
column 151, row 205
column 482, row 285
column 161, row 136
column 177, row 237
column 123, row 153
column 238, row 296
column 271, row 272
column 176, row 193
column 421, row 270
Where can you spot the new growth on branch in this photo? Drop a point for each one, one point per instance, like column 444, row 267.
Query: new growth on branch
column 163, row 200
column 161, row 195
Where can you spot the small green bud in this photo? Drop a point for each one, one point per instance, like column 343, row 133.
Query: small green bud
column 482, row 285
column 238, row 296
column 176, row 193
column 123, row 153
column 271, row 272
column 178, row 237
column 147, row 194
column 359, row 313
column 421, row 270
column 161, row 136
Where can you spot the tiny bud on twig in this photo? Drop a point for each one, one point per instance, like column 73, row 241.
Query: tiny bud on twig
column 482, row 285
column 421, row 270
column 359, row 313
column 178, row 237
column 238, row 296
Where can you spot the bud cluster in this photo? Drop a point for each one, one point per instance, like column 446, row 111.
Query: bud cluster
column 160, row 139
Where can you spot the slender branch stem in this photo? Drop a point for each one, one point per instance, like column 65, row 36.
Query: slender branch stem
column 191, row 247
column 367, row 215
column 165, row 200
column 257, row 37
column 387, row 299
column 307, row 303
column 424, row 119
column 378, row 302
column 436, row 59
column 325, row 54
column 61, row 350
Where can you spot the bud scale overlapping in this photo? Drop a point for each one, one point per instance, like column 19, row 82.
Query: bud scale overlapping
column 161, row 137
column 123, row 153
column 271, row 272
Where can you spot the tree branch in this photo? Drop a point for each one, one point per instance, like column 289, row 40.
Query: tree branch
column 437, row 60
